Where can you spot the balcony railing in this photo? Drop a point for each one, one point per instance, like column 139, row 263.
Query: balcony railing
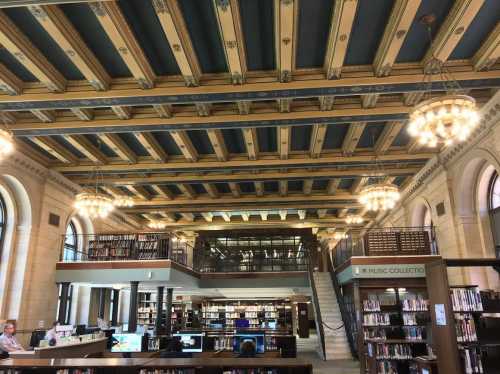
column 123, row 247
column 393, row 241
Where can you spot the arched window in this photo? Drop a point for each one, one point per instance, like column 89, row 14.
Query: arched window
column 494, row 210
column 70, row 243
column 3, row 219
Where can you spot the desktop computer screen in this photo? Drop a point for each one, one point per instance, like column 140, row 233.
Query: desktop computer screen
column 257, row 339
column 190, row 342
column 125, row 343
column 242, row 323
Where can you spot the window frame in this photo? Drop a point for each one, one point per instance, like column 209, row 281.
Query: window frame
column 493, row 181
column 71, row 247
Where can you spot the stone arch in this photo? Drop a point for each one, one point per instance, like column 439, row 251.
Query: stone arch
column 421, row 213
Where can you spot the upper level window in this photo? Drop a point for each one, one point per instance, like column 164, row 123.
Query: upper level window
column 70, row 243
column 495, row 192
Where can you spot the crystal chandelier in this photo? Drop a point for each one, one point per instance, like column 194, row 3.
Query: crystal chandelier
column 156, row 225
column 340, row 235
column 123, row 201
column 93, row 205
column 446, row 120
column 442, row 120
column 353, row 219
column 380, row 196
column 6, row 143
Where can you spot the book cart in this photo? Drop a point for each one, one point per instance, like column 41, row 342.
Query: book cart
column 467, row 315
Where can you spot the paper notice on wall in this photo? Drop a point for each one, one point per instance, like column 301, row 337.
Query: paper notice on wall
column 440, row 314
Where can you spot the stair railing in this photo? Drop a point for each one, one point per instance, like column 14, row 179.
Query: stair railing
column 319, row 321
column 346, row 316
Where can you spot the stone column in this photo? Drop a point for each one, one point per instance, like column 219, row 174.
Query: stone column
column 63, row 303
column 116, row 303
column 168, row 308
column 132, row 314
column 159, row 310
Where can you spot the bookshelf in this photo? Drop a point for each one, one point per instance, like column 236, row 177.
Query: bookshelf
column 259, row 313
column 146, row 311
column 394, row 322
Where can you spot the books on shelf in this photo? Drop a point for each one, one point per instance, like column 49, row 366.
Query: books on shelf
column 471, row 359
column 413, row 332
column 376, row 319
column 415, row 305
column 410, row 319
column 466, row 328
column 371, row 305
column 466, row 299
column 391, row 351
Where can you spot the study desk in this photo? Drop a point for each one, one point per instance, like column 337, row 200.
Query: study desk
column 72, row 350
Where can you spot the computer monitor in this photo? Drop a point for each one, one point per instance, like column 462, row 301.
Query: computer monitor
column 191, row 342
column 126, row 343
column 257, row 339
column 241, row 323
column 269, row 325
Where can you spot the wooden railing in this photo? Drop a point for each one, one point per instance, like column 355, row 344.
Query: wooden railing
column 317, row 311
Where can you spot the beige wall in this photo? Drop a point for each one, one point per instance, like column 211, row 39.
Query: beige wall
column 28, row 293
column 458, row 178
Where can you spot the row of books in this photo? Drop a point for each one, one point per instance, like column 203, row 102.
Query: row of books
column 466, row 328
column 471, row 358
column 167, row 371
column 410, row 319
column 415, row 305
column 242, row 308
column 466, row 299
column 371, row 305
column 387, row 367
column 390, row 351
column 376, row 319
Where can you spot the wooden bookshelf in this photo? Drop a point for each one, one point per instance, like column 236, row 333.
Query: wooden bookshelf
column 146, row 311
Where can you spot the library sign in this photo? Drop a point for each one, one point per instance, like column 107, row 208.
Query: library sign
column 382, row 271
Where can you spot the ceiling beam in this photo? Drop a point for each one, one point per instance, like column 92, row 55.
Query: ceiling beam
column 318, row 135
column 283, row 187
column 203, row 109
column 259, row 188
column 84, row 114
column 87, row 148
column 218, row 144
column 182, row 140
column 344, row 12
column 307, row 186
column 163, row 110
column 352, row 137
column 402, row 16
column 244, row 107
column 113, row 191
column 322, row 213
column 211, row 190
column 331, row 159
column 8, row 118
column 283, row 213
column 285, row 33
column 187, row 191
column 175, row 30
column 119, row 147
column 56, row 24
column 45, row 116
column 489, row 52
column 251, row 143
column 121, row 35
column 235, row 189
column 450, row 32
column 14, row 41
column 208, row 216
column 139, row 192
column 9, row 82
column 169, row 216
column 326, row 102
column 342, row 212
column 122, row 112
column 55, row 149
column 358, row 184
column 333, row 185
column 162, row 191
column 413, row 98
column 214, row 93
column 231, row 33
column 152, row 146
column 226, row 216
column 274, row 175
column 188, row 216
column 389, row 133
column 284, row 136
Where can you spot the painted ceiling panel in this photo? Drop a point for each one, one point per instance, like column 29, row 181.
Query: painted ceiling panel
column 271, row 186
column 200, row 141
column 234, row 140
column 367, row 31
column 417, row 40
column 247, row 187
column 320, row 184
column 399, row 180
column 301, row 138
column 335, row 135
column 257, row 18
column 15, row 67
column 402, row 138
column 132, row 142
column 30, row 27
column 370, row 134
column 314, row 27
column 222, row 187
column 91, row 31
column 198, row 188
column 478, row 30
column 295, row 186
column 203, row 29
column 174, row 189
column 36, row 147
column 346, row 183
column 100, row 145
column 147, row 29
column 168, row 144
column 59, row 139
column 267, row 139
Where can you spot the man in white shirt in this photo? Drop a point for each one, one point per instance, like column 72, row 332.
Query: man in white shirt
column 8, row 342
column 51, row 335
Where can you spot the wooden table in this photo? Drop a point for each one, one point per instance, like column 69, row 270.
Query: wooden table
column 73, row 350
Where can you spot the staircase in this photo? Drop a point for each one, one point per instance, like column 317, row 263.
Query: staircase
column 336, row 344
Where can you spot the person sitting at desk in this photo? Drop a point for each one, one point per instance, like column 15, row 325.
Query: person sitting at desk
column 174, row 350
column 248, row 349
column 8, row 342
column 51, row 335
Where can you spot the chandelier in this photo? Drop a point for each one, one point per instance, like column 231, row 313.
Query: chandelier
column 353, row 219
column 156, row 225
column 123, row 201
column 446, row 120
column 93, row 205
column 380, row 196
column 442, row 120
column 340, row 235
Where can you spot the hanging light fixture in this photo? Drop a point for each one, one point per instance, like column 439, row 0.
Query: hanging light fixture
column 93, row 205
column 442, row 120
column 353, row 219
column 123, row 201
column 379, row 196
column 339, row 235
column 157, row 225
